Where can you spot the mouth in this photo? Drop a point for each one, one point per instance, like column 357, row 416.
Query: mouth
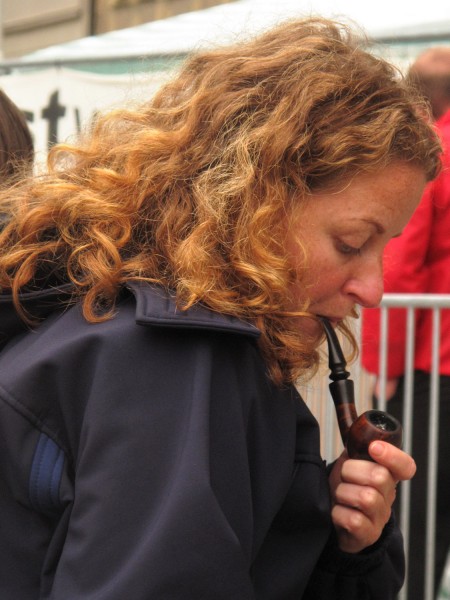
column 334, row 321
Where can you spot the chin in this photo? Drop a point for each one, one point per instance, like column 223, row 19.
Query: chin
column 310, row 326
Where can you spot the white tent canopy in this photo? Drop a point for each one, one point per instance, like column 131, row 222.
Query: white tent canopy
column 228, row 22
column 58, row 101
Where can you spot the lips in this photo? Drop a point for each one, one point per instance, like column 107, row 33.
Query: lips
column 333, row 320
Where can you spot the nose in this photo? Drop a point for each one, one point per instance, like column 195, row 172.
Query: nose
column 366, row 287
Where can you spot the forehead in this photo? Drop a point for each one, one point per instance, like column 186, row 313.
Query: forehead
column 391, row 191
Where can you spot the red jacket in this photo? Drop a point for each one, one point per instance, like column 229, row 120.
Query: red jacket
column 417, row 262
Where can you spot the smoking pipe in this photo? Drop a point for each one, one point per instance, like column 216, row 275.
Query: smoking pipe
column 356, row 432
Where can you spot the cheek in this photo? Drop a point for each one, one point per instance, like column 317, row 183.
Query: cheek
column 323, row 275
column 319, row 283
column 325, row 287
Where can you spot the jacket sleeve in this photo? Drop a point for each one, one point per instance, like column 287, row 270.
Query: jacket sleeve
column 405, row 271
column 377, row 573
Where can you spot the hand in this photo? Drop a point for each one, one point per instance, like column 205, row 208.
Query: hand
column 363, row 492
column 391, row 387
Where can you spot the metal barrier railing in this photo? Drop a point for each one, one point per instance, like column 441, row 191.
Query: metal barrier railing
column 316, row 390
column 436, row 303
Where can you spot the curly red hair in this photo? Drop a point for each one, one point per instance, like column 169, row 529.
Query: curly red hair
column 191, row 191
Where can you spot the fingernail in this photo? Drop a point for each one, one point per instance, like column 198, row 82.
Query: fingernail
column 376, row 448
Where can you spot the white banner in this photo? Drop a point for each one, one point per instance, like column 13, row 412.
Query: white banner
column 57, row 102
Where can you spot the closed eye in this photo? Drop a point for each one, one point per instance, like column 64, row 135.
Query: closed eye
column 346, row 249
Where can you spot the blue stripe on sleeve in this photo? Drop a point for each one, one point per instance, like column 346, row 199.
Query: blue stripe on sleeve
column 45, row 476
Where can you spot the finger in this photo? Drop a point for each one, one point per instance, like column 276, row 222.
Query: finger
column 367, row 473
column 401, row 465
column 367, row 500
column 355, row 530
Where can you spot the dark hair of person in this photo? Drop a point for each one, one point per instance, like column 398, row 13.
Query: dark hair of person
column 430, row 72
column 16, row 143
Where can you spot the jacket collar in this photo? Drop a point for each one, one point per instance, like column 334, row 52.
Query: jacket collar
column 156, row 307
column 39, row 303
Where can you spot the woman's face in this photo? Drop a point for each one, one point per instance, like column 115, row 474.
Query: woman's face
column 344, row 233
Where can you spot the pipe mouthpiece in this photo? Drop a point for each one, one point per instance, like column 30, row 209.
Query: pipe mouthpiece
column 336, row 361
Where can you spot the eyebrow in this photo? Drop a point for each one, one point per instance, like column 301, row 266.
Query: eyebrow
column 378, row 227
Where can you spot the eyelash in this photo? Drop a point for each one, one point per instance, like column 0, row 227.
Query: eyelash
column 348, row 250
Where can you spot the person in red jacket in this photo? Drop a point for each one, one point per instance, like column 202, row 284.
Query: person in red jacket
column 419, row 262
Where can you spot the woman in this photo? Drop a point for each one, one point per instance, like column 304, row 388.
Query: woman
column 172, row 268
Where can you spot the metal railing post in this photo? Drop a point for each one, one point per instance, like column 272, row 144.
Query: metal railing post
column 411, row 302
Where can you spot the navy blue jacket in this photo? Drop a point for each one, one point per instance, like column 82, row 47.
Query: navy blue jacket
column 149, row 457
